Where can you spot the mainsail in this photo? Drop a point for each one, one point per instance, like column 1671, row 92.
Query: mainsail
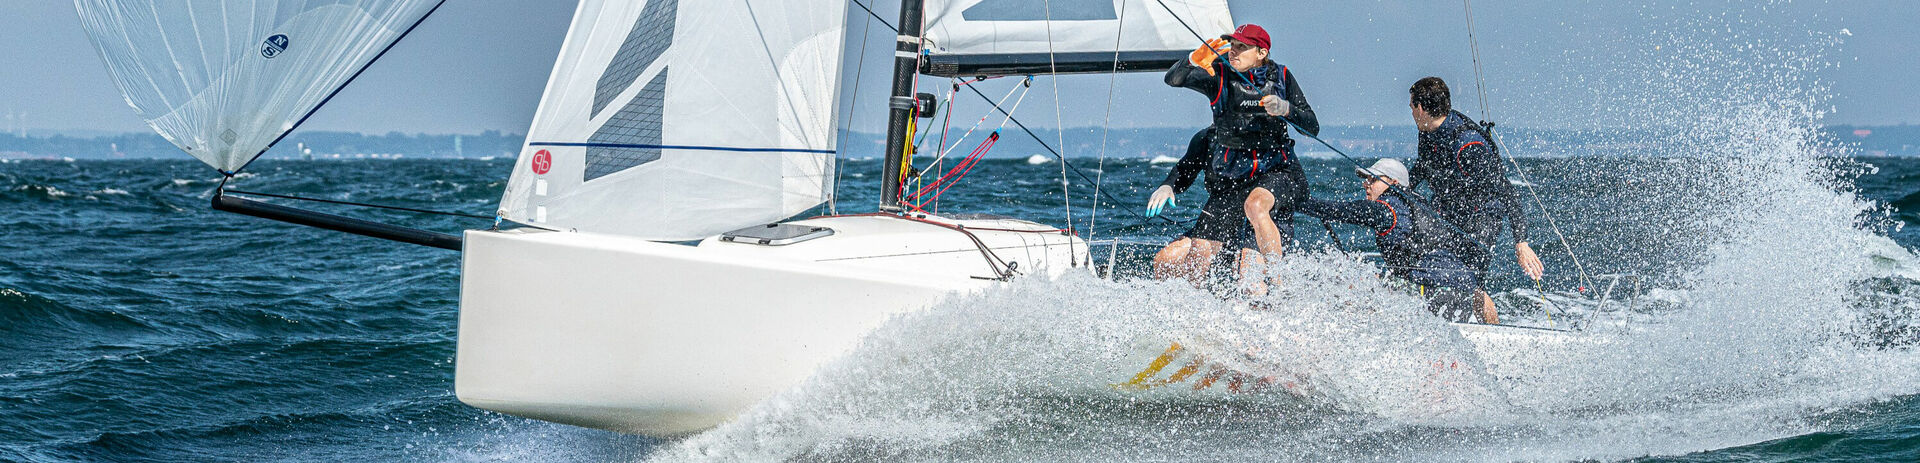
column 1007, row 37
column 676, row 120
column 225, row 79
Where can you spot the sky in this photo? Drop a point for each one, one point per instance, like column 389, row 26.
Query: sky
column 481, row 65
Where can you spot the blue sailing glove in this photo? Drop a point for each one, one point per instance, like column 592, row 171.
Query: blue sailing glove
column 1164, row 194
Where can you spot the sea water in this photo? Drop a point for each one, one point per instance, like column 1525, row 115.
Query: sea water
column 1775, row 317
column 138, row 325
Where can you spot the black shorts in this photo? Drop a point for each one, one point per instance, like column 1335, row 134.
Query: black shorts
column 1224, row 218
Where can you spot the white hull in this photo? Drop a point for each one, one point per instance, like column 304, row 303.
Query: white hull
column 662, row 339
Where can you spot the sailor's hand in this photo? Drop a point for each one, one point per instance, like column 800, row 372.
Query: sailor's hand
column 1276, row 106
column 1164, row 194
column 1529, row 262
column 1203, row 57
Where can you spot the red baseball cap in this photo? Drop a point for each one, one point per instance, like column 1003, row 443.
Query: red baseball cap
column 1251, row 35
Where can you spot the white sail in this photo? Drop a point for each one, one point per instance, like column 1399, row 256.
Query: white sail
column 224, row 79
column 675, row 120
column 1006, row 27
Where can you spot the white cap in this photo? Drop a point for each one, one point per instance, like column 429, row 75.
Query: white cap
column 1389, row 168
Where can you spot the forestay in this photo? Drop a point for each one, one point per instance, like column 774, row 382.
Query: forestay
column 1018, row 34
column 225, row 79
column 680, row 119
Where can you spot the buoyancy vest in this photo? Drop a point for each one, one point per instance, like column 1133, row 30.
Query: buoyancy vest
column 1247, row 140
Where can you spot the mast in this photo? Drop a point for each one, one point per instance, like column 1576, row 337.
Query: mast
column 906, row 59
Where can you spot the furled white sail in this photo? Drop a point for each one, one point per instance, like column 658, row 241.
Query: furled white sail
column 1007, row 27
column 224, row 79
column 680, row 119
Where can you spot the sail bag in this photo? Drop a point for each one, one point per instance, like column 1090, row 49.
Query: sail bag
column 225, row 79
column 679, row 119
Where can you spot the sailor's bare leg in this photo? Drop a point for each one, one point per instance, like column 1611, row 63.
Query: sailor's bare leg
column 1171, row 260
column 1251, row 264
column 1487, row 313
column 1201, row 258
column 1265, row 234
column 1185, row 258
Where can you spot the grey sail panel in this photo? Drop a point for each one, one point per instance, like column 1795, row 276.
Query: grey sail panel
column 632, row 136
column 650, row 36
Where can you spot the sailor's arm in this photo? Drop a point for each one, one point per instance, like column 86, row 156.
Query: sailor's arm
column 1198, row 72
column 1492, row 171
column 1302, row 113
column 1490, row 168
column 1371, row 214
column 1191, row 164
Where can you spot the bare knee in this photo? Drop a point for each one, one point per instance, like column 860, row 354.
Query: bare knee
column 1174, row 252
column 1205, row 249
column 1258, row 204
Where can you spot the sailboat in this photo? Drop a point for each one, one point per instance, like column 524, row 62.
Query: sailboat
column 646, row 274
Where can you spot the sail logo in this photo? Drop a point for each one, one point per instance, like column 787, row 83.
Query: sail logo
column 274, row 45
column 542, row 162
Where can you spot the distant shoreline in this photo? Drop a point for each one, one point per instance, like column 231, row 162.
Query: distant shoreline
column 1083, row 142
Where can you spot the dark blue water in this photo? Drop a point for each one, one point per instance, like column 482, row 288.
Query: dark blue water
column 136, row 324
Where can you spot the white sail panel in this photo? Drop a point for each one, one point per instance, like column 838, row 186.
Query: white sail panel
column 678, row 119
column 224, row 79
column 1008, row 27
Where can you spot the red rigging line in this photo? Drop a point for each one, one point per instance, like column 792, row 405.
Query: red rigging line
column 958, row 171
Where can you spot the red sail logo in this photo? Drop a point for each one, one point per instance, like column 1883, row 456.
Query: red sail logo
column 542, row 162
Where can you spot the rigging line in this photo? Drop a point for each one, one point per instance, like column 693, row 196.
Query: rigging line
column 347, row 203
column 973, row 158
column 883, row 21
column 1480, row 83
column 946, row 126
column 1106, row 128
column 1337, row 244
column 336, row 90
column 1481, row 86
column 833, row 201
column 1183, row 22
column 1066, row 195
column 983, row 119
column 1036, row 138
column 1063, row 160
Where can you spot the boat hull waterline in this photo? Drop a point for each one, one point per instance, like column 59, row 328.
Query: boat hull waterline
column 666, row 339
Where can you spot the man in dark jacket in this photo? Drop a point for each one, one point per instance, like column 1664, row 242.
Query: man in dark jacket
column 1414, row 245
column 1460, row 163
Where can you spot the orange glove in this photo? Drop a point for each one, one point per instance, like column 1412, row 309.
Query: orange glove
column 1204, row 56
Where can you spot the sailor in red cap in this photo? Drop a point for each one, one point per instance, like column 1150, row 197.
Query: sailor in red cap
column 1249, row 159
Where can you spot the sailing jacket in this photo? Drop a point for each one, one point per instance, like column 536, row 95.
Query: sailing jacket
column 1468, row 179
column 1405, row 236
column 1250, row 141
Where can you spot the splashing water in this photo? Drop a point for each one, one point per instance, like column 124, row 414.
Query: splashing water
column 1761, row 336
